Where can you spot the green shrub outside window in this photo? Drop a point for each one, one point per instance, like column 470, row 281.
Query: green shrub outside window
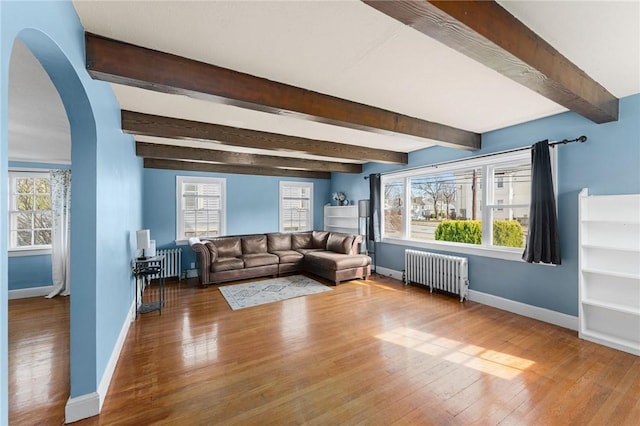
column 506, row 233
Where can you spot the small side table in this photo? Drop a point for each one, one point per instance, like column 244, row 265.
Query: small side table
column 144, row 269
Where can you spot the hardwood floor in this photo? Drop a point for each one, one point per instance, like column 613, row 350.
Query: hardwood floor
column 368, row 352
column 38, row 360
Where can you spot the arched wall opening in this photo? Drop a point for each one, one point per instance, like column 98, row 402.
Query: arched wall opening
column 83, row 147
column 106, row 205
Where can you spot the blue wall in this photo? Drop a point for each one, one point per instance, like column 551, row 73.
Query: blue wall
column 609, row 163
column 252, row 205
column 31, row 270
column 106, row 189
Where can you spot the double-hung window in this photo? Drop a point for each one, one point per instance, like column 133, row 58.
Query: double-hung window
column 200, row 207
column 296, row 206
column 476, row 206
column 29, row 211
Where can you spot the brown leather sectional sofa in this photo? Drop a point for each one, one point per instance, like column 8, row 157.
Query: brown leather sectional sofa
column 330, row 255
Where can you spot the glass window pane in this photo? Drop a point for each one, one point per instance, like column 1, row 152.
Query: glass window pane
column 25, row 202
column 23, row 238
column 42, row 186
column 43, row 202
column 393, row 192
column 454, row 196
column 24, row 185
column 516, row 184
column 24, row 220
column 189, row 221
column 42, row 237
column 42, row 220
column 510, row 226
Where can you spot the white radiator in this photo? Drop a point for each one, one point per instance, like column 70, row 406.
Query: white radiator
column 439, row 271
column 171, row 264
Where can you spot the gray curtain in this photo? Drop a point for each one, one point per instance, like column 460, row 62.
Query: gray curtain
column 374, row 206
column 543, row 240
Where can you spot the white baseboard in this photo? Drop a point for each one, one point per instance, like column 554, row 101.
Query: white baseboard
column 90, row 405
column 530, row 311
column 82, row 407
column 23, row 293
column 535, row 312
column 389, row 272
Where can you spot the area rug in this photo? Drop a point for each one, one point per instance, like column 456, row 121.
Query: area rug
column 274, row 290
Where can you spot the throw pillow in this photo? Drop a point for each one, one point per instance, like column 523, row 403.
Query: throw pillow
column 340, row 243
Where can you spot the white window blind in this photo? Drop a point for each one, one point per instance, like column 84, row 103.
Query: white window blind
column 201, row 205
column 296, row 206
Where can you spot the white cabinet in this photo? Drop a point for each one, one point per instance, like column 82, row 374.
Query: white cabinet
column 609, row 291
column 341, row 219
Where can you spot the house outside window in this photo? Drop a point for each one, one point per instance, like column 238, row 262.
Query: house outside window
column 200, row 207
column 480, row 203
column 30, row 219
column 296, row 206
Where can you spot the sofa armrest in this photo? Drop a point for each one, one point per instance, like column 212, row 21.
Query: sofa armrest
column 204, row 259
column 355, row 246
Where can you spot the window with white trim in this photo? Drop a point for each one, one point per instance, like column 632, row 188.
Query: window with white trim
column 296, row 206
column 30, row 219
column 200, row 207
column 481, row 202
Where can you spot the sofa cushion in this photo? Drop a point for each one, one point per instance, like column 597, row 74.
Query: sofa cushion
column 228, row 247
column 227, row 264
column 213, row 251
column 340, row 243
column 254, row 244
column 336, row 261
column 259, row 259
column 310, row 250
column 320, row 239
column 301, row 241
column 278, row 242
column 289, row 256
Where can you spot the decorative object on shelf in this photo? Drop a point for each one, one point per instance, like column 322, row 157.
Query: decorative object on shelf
column 338, row 198
column 345, row 203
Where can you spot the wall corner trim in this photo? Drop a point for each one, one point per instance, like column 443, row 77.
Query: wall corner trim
column 90, row 405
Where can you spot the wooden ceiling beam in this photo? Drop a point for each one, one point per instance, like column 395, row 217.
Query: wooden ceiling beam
column 155, row 163
column 123, row 63
column 136, row 123
column 489, row 34
column 173, row 152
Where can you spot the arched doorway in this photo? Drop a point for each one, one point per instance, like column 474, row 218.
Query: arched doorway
column 79, row 112
column 39, row 141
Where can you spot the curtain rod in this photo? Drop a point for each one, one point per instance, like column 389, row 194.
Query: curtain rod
column 579, row 139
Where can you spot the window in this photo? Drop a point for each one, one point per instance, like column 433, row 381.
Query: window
column 29, row 211
column 481, row 203
column 200, row 207
column 296, row 206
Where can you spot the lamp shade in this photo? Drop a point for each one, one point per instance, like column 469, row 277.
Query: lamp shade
column 143, row 238
column 363, row 208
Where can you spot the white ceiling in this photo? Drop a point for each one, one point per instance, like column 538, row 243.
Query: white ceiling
column 349, row 50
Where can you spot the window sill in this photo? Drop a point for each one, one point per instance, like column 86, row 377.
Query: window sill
column 514, row 255
column 29, row 252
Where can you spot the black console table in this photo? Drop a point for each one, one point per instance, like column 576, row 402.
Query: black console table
column 143, row 270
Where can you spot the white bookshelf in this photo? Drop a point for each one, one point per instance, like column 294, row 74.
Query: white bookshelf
column 609, row 263
column 341, row 219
